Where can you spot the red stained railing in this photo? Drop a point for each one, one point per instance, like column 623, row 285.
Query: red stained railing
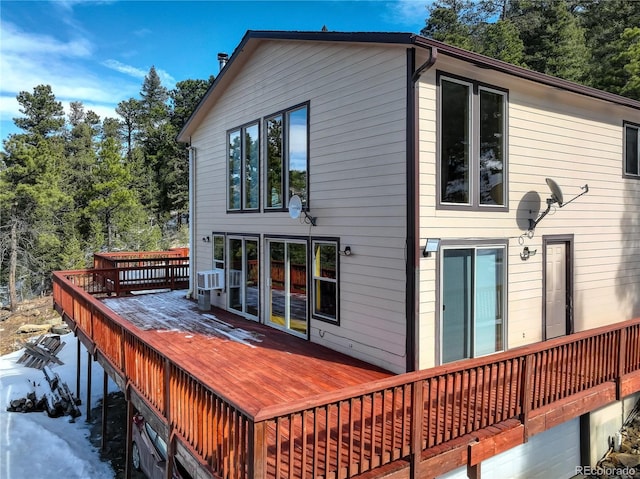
column 352, row 431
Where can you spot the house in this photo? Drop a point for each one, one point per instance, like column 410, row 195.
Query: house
column 423, row 208
column 392, row 142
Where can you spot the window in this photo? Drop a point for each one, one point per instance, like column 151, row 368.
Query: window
column 473, row 282
column 472, row 169
column 244, row 168
column 287, row 285
column 287, row 146
column 218, row 251
column 631, row 150
column 243, row 278
column 325, row 280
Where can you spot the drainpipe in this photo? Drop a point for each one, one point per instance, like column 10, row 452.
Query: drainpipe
column 412, row 294
column 192, row 201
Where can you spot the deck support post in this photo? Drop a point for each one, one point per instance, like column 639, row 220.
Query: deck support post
column 89, row 367
column 105, row 407
column 171, row 453
column 78, row 365
column 129, row 450
column 474, row 472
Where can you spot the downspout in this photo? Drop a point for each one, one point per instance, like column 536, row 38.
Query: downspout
column 412, row 294
column 192, row 201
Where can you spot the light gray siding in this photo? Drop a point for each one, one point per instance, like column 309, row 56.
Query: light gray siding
column 357, row 110
column 574, row 140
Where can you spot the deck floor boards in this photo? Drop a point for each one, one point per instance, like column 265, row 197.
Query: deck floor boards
column 250, row 364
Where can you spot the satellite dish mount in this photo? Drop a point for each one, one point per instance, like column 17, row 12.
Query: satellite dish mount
column 295, row 210
column 556, row 197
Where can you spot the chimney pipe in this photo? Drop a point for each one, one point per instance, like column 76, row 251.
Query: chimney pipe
column 223, row 58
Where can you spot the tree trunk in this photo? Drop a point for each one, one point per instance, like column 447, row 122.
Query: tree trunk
column 13, row 265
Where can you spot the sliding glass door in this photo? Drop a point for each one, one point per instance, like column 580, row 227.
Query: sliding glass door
column 287, row 288
column 243, row 281
column 472, row 302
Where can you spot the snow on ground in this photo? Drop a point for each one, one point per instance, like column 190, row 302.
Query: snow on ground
column 35, row 446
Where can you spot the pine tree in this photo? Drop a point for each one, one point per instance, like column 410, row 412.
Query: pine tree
column 32, row 198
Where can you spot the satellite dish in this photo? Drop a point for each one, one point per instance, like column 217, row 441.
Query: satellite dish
column 556, row 197
column 556, row 192
column 295, row 207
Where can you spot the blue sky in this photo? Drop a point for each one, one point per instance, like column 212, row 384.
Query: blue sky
column 98, row 52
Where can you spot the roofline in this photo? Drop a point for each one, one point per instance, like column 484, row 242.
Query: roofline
column 524, row 73
column 399, row 38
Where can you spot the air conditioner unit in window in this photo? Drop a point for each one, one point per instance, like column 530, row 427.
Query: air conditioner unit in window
column 213, row 279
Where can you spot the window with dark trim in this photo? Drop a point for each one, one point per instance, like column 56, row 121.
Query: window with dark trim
column 243, row 170
column 472, row 138
column 325, row 280
column 631, row 150
column 287, row 157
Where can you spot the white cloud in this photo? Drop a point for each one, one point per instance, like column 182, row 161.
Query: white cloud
column 126, row 69
column 167, row 80
column 15, row 42
column 69, row 67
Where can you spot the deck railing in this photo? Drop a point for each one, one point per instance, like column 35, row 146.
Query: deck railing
column 352, row 431
column 122, row 259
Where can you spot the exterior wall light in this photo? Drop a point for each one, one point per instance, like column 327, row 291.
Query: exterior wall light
column 346, row 252
column 206, row 239
column 431, row 246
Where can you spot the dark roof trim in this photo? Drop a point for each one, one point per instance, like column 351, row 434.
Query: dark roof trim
column 504, row 67
column 391, row 38
column 354, row 37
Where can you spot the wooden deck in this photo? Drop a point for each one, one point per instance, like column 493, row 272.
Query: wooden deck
column 252, row 402
column 251, row 365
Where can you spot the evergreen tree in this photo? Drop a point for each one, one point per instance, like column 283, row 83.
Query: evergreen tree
column 130, row 110
column 32, row 198
column 43, row 115
column 501, row 40
column 604, row 22
column 113, row 204
column 175, row 172
column 629, row 57
column 445, row 23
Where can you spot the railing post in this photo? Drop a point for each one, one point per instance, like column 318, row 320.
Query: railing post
column 123, row 351
column 257, row 450
column 167, row 390
column 526, row 393
column 417, row 434
column 622, row 361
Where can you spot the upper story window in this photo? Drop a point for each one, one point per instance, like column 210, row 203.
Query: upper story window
column 287, row 157
column 243, row 168
column 631, row 150
column 473, row 131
